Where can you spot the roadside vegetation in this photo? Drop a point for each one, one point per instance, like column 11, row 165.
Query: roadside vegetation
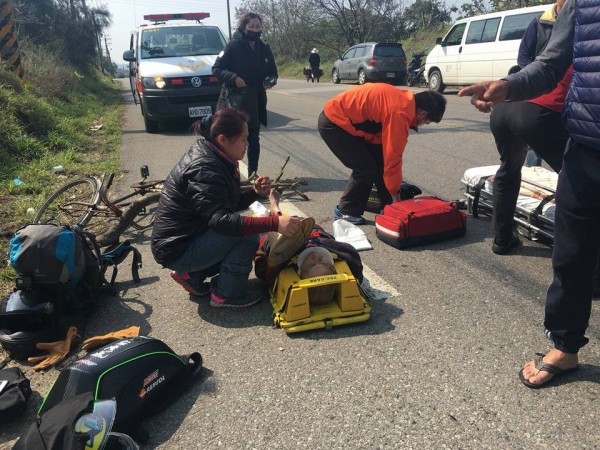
column 64, row 111
column 56, row 117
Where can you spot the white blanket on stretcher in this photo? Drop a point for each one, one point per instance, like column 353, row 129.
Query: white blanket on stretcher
column 530, row 195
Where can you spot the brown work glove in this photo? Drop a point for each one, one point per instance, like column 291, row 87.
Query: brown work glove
column 57, row 351
column 97, row 341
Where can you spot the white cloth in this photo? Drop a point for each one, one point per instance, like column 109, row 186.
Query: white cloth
column 345, row 231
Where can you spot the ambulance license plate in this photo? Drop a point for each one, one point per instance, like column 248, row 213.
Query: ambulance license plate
column 200, row 111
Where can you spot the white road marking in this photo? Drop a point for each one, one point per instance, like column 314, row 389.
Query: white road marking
column 375, row 286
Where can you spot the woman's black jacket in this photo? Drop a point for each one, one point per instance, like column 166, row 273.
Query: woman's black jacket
column 253, row 66
column 202, row 192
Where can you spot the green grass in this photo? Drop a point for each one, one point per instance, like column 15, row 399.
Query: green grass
column 38, row 133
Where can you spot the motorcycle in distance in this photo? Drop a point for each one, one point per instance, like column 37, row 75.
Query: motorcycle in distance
column 416, row 68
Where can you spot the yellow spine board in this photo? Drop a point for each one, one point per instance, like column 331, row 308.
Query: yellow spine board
column 292, row 310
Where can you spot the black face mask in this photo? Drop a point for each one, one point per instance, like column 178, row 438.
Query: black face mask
column 253, row 35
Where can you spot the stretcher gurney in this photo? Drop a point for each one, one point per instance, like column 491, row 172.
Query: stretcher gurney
column 293, row 312
column 288, row 293
column 534, row 214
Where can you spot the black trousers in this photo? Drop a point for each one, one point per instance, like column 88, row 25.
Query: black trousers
column 515, row 126
column 253, row 153
column 364, row 159
column 576, row 247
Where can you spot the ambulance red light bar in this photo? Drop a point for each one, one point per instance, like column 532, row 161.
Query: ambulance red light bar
column 176, row 16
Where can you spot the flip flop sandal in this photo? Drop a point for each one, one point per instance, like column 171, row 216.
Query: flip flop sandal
column 542, row 366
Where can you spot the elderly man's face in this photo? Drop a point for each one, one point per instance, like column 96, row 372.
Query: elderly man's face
column 316, row 264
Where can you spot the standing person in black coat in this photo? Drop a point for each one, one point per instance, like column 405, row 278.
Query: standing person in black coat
column 247, row 68
column 314, row 61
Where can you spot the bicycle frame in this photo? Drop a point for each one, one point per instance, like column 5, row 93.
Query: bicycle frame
column 119, row 204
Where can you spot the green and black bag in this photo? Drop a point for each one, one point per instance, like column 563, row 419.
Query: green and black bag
column 142, row 374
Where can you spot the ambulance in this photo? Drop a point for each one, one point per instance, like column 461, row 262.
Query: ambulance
column 170, row 66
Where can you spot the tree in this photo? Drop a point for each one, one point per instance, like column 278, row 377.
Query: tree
column 504, row 5
column 357, row 20
column 425, row 14
column 474, row 8
column 67, row 27
column 288, row 24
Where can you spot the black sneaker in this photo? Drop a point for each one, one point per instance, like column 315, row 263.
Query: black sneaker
column 355, row 220
column 502, row 247
column 194, row 287
column 252, row 297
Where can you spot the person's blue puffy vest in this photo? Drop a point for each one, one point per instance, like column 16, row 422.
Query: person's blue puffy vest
column 582, row 106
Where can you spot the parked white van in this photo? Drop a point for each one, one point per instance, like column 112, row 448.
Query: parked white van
column 170, row 66
column 479, row 48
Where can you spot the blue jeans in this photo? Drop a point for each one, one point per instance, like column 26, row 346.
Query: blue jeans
column 532, row 159
column 228, row 257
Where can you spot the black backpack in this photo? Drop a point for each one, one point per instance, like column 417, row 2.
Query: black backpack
column 14, row 392
column 60, row 274
column 78, row 423
column 59, row 261
column 142, row 374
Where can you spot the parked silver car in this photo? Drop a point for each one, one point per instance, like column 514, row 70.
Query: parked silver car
column 371, row 61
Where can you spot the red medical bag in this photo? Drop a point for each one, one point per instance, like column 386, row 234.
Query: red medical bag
column 420, row 220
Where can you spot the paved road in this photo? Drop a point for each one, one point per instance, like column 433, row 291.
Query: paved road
column 436, row 365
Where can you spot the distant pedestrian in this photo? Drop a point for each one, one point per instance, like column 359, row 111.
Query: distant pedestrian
column 314, row 61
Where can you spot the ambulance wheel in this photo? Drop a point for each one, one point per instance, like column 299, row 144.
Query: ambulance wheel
column 150, row 125
column 435, row 82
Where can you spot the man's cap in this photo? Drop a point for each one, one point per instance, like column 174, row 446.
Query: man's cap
column 309, row 251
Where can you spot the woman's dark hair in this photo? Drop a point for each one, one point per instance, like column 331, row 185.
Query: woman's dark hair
column 228, row 122
column 247, row 18
column 432, row 102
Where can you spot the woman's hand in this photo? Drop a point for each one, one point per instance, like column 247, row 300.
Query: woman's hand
column 239, row 82
column 262, row 186
column 289, row 225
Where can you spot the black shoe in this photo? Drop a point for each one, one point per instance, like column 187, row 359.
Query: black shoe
column 503, row 247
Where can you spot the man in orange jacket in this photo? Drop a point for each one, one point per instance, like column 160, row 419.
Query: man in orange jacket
column 366, row 128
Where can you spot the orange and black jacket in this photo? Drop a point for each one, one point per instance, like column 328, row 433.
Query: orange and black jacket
column 380, row 114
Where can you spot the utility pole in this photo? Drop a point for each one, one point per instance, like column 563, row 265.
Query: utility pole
column 108, row 57
column 228, row 20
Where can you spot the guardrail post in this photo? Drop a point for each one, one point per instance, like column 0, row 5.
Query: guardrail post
column 9, row 45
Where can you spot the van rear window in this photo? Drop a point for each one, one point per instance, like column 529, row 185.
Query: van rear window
column 482, row 31
column 389, row 51
column 514, row 27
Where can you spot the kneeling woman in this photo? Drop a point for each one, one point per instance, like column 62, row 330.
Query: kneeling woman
column 198, row 231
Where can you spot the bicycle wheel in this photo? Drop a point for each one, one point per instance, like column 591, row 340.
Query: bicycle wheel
column 71, row 204
column 145, row 218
